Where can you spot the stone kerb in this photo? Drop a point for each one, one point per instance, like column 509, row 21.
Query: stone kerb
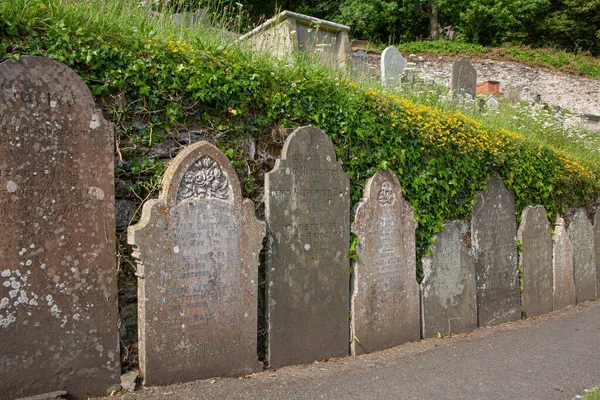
column 197, row 249
column 584, row 266
column 392, row 67
column 464, row 78
column 448, row 292
column 562, row 266
column 535, row 261
column 307, row 208
column 494, row 232
column 385, row 295
column 58, row 297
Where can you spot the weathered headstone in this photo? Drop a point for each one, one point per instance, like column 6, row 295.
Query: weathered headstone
column 562, row 265
column 535, row 261
column 597, row 249
column 360, row 63
column 385, row 295
column 464, row 78
column 58, row 297
column 581, row 234
column 197, row 248
column 392, row 67
column 448, row 293
column 307, row 209
column 494, row 244
column 492, row 103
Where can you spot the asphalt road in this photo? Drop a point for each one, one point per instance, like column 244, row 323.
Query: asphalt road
column 556, row 356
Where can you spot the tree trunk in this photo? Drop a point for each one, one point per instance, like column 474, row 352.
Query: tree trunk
column 435, row 31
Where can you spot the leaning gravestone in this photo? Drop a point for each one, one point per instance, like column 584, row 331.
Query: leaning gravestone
column 464, row 78
column 494, row 244
column 392, row 67
column 385, row 295
column 448, row 295
column 197, row 248
column 581, row 234
column 562, row 265
column 597, row 249
column 535, row 261
column 58, row 298
column 307, row 209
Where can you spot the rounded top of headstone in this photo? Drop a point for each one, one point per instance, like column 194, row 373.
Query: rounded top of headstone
column 534, row 215
column 201, row 171
column 42, row 80
column 390, row 52
column 384, row 186
column 308, row 143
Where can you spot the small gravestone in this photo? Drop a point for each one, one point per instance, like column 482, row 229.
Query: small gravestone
column 392, row 67
column 385, row 295
column 494, row 244
column 360, row 63
column 448, row 296
column 197, row 248
column 535, row 261
column 562, row 265
column 492, row 103
column 464, row 78
column 307, row 209
column 581, row 234
column 58, row 291
column 597, row 249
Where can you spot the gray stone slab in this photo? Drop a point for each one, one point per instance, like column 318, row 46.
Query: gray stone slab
column 448, row 292
column 385, row 294
column 307, row 208
column 597, row 249
column 58, row 291
column 535, row 261
column 494, row 243
column 581, row 234
column 197, row 248
column 464, row 78
column 562, row 266
column 392, row 67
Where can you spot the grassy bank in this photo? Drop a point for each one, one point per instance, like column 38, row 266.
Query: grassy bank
column 164, row 86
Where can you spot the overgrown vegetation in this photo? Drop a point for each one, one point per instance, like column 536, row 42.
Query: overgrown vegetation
column 164, row 86
column 594, row 395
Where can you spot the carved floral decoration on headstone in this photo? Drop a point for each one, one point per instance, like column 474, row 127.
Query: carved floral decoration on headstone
column 385, row 196
column 204, row 180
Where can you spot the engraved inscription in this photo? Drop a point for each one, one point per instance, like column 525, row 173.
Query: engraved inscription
column 204, row 179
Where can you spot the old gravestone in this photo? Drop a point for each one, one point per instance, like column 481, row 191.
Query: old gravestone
column 392, row 67
column 535, row 261
column 448, row 297
column 197, row 248
column 581, row 234
column 307, row 210
column 464, row 78
column 58, row 297
column 385, row 295
column 597, row 249
column 562, row 266
column 494, row 244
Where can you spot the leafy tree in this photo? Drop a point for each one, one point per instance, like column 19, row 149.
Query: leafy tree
column 576, row 24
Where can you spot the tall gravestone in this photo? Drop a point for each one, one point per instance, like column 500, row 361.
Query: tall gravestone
column 307, row 208
column 197, row 249
column 562, row 266
column 581, row 234
column 448, row 293
column 464, row 78
column 58, row 297
column 597, row 249
column 494, row 243
column 535, row 261
column 385, row 295
column 392, row 67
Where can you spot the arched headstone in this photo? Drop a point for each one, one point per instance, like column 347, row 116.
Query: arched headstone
column 581, row 234
column 392, row 67
column 385, row 295
column 197, row 248
column 464, row 78
column 58, row 297
column 562, row 266
column 307, row 207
